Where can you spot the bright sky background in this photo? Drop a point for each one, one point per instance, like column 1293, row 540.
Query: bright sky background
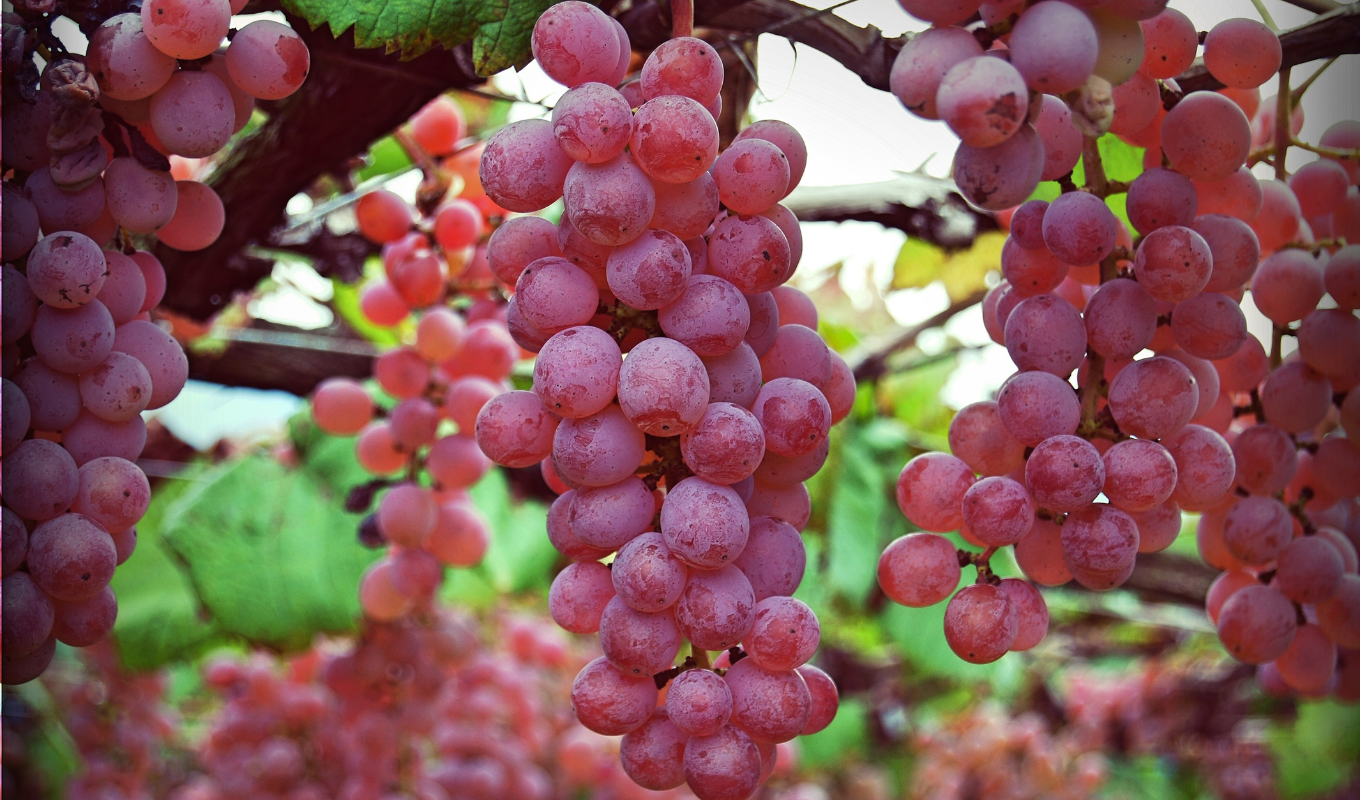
column 857, row 135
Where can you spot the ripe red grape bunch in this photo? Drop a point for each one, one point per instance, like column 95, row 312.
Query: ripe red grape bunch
column 422, row 448
column 1207, row 422
column 681, row 396
column 82, row 358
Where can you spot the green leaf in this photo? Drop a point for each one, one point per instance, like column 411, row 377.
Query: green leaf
column 847, row 734
column 159, row 615
column 918, row 264
column 1320, row 751
column 520, row 556
column 269, row 551
column 385, row 157
column 499, row 29
column 858, row 505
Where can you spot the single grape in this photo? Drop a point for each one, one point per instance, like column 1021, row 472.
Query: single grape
column 795, row 416
column 636, row 643
column 790, row 504
column 1206, row 137
column 160, row 353
column 716, row 609
column 66, row 270
column 930, row 491
column 610, row 203
column 85, row 622
column 1001, row 176
column 722, row 766
column 1100, row 544
column 1045, row 68
column 1153, row 398
column 726, row 445
column 609, row 702
column 980, row 623
column 268, row 60
column 773, row 559
column 516, row 429
column 979, row 437
column 685, row 209
column 1242, row 53
column 1257, row 624
column 751, row 253
column 1204, row 467
column 698, row 702
column 653, row 755
column 607, row 517
column 1169, row 42
column 1173, row 263
column 592, row 123
column 683, row 66
column 770, row 706
column 919, row 569
column 518, row 242
column 1037, row 405
column 598, row 450
column 998, row 511
column 1339, row 615
column 1030, row 272
column 1046, row 333
column 522, row 168
column 1040, row 554
column 198, row 220
column 663, row 386
column 124, row 291
column 734, row 377
column 577, row 371
column 1031, row 613
column 1329, row 342
column 1137, row 103
column 1308, row 570
column 1121, row 319
column 983, row 100
column 1161, row 197
column 790, row 143
column 651, row 271
column 554, row 294
column 124, row 61
column 704, row 524
column 1256, row 529
column 1295, row 397
column 70, row 557
column 1064, row 473
column 674, row 140
column 578, row 596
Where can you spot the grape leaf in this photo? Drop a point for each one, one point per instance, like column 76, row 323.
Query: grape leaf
column 858, row 506
column 499, row 29
column 917, row 265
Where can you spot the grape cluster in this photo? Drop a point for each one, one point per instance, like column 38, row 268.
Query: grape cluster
column 683, row 459
column 1206, row 422
column 422, row 448
column 82, row 358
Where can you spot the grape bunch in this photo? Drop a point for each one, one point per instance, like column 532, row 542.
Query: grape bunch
column 681, row 396
column 86, row 142
column 422, row 447
column 1176, row 406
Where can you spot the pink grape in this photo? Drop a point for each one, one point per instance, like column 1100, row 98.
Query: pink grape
column 41, row 480
column 577, row 371
column 1031, row 613
column 998, row 511
column 1153, row 398
column 1295, row 397
column 651, row 271
column 610, row 702
column 85, row 622
column 1319, row 186
column 683, row 66
column 751, row 253
column 1045, row 68
column 553, row 294
column 795, row 416
column 20, row 305
column 1287, row 286
column 1329, row 342
column 124, row 61
column 1037, row 405
column 1064, row 473
column 674, row 140
column 980, row 623
column 1238, row 196
column 124, row 291
column 243, row 104
column 653, row 755
column 979, row 437
column 1170, row 42
column 1343, row 135
column 705, row 525
column 930, row 491
column 456, row 462
column 710, row 317
column 646, row 575
column 825, row 699
column 598, row 450
column 90, row 437
column 116, row 390
column 607, row 517
column 1079, row 228
column 592, row 123
column 1159, row 198
column 193, row 114
column 59, row 209
column 1206, row 380
column 401, row 372
column 1039, row 554
column 726, row 445
column 575, row 43
column 560, row 535
column 610, row 203
column 1242, row 53
column 413, row 423
column 919, row 570
column 1265, row 459
column 1061, row 139
column 518, row 242
column 17, row 416
column 1225, row 586
column 798, row 352
column 764, row 328
column 268, row 60
column 716, row 609
column 1100, row 544
column 1204, row 467
column 1139, row 475
column 578, row 596
column 1206, row 136
column 1046, row 333
column 1279, row 220
column 1121, row 319
column 439, row 335
column 1336, row 467
column 1256, row 529
column 1121, row 46
column 1338, row 615
column 1000, row 176
column 773, row 559
column 381, row 304
column 1031, row 272
column 983, row 100
column 685, row 209
column 1308, row 570
column 1158, row 527
column 1309, row 662
column 198, row 220
column 162, row 356
column 73, row 340
column 1234, row 250
column 516, row 429
column 787, row 139
column 28, row 615
column 1244, row 369
column 638, row 643
column 698, row 702
column 770, row 706
column 922, row 64
column 460, row 537
column 70, row 557
column 662, row 387
column 790, row 504
column 1257, row 624
column 1136, row 104
column 752, row 175
column 66, row 270
column 795, row 307
column 1173, row 263
column 522, row 168
column 734, row 377
column 114, row 493
column 722, row 766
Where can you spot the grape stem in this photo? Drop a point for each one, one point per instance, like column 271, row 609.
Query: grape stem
column 1276, row 352
column 1095, row 169
column 700, row 657
column 1265, row 15
column 682, row 18
column 1283, row 119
